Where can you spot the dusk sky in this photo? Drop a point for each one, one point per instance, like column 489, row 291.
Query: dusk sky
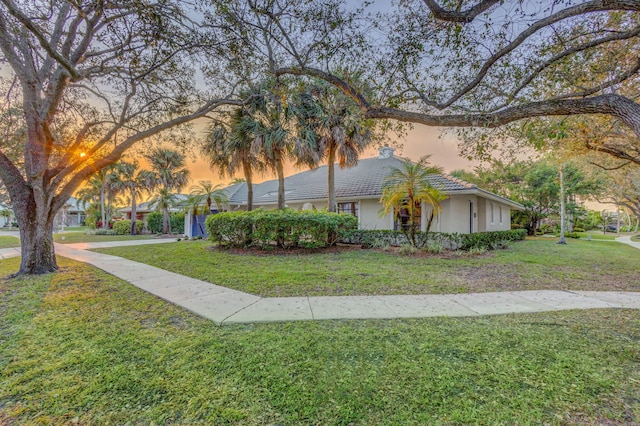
column 420, row 141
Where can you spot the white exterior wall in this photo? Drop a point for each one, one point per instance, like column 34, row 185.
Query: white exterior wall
column 489, row 222
column 369, row 212
column 455, row 214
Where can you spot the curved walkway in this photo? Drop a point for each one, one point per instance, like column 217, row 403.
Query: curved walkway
column 225, row 306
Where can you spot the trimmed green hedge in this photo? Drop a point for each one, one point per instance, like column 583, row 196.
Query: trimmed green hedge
column 154, row 222
column 287, row 228
column 451, row 241
column 123, row 227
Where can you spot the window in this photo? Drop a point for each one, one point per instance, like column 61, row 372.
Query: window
column 500, row 213
column 402, row 218
column 492, row 214
column 348, row 207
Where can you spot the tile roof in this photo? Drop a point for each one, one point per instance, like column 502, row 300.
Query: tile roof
column 361, row 181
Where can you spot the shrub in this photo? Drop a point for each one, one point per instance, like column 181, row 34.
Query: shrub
column 434, row 247
column 123, row 227
column 576, row 229
column 177, row 222
column 105, row 232
column 408, row 249
column 154, row 222
column 287, row 228
column 450, row 241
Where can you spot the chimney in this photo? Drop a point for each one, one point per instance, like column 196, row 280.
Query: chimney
column 385, row 152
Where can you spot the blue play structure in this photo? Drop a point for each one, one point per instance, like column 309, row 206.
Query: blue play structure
column 197, row 225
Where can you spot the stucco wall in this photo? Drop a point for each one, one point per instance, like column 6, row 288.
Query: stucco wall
column 455, row 214
column 489, row 222
column 370, row 216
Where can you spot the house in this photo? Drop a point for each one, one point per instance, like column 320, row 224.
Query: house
column 143, row 209
column 71, row 214
column 6, row 216
column 358, row 189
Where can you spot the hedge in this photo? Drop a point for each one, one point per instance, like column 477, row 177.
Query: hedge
column 285, row 228
column 123, row 227
column 451, row 241
column 154, row 222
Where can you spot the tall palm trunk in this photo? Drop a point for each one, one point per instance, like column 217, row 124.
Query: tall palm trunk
column 331, row 178
column 103, row 215
column 134, row 212
column 166, row 221
column 248, row 177
column 280, row 171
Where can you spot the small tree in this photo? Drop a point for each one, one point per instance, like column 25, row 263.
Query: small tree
column 202, row 197
column 407, row 188
column 169, row 174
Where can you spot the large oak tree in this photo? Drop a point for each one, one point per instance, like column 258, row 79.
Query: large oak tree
column 90, row 79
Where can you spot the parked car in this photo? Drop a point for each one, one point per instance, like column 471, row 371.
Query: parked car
column 612, row 228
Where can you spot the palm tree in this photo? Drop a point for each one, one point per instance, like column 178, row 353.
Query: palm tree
column 99, row 192
column 342, row 131
column 405, row 188
column 279, row 135
column 228, row 149
column 134, row 183
column 169, row 174
column 203, row 196
column 164, row 200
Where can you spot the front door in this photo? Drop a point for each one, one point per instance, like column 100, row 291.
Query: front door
column 471, row 217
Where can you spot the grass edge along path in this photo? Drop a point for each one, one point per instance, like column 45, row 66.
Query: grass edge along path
column 9, row 242
column 83, row 347
column 534, row 264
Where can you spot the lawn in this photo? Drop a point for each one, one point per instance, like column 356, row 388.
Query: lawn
column 598, row 235
column 9, row 242
column 532, row 264
column 83, row 347
column 636, row 238
column 82, row 237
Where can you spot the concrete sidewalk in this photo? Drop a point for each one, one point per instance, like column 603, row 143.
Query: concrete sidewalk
column 627, row 240
column 227, row 306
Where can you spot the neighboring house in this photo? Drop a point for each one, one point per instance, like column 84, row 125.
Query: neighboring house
column 6, row 216
column 72, row 214
column 358, row 189
column 143, row 209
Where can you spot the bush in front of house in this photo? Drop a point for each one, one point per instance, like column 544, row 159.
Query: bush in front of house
column 286, row 228
column 154, row 222
column 177, row 222
column 451, row 241
column 123, row 227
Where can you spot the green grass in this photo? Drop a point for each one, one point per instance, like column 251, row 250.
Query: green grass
column 9, row 242
column 532, row 264
column 81, row 237
column 636, row 238
column 598, row 235
column 84, row 347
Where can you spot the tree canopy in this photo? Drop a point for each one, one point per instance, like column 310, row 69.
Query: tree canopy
column 480, row 63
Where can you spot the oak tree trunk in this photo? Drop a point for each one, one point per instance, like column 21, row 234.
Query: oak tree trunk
column 36, row 240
